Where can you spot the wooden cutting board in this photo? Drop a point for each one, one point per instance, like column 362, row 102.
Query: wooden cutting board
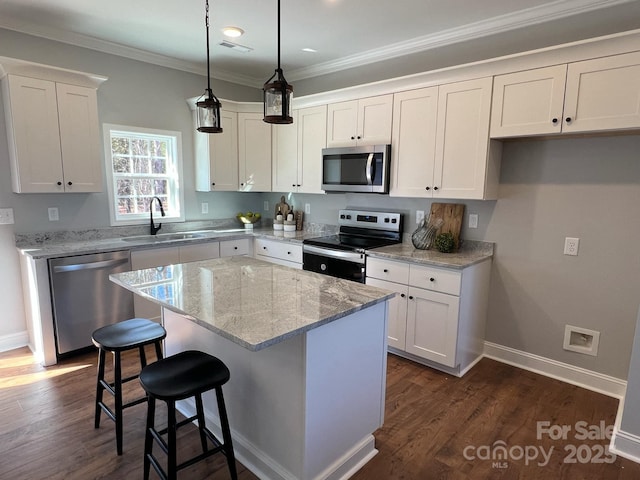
column 452, row 214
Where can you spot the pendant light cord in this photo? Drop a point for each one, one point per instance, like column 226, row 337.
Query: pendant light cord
column 206, row 21
column 279, row 36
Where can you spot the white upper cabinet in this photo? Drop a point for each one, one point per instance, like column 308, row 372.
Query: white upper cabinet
column 528, row 103
column 441, row 145
column 466, row 167
column 297, row 151
column 603, row 94
column 217, row 156
column 593, row 95
column 312, row 138
column 413, row 143
column 366, row 121
column 285, row 156
column 254, row 153
column 52, row 130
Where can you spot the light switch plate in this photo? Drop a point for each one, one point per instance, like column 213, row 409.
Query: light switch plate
column 6, row 216
column 473, row 220
column 204, row 207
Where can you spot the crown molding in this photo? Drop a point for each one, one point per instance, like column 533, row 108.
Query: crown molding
column 523, row 18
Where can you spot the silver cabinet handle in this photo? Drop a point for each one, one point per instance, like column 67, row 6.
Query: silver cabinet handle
column 89, row 266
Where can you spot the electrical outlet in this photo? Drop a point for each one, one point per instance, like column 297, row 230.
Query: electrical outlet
column 307, row 208
column 419, row 216
column 265, row 206
column 6, row 216
column 571, row 246
column 204, row 207
column 473, row 220
column 53, row 214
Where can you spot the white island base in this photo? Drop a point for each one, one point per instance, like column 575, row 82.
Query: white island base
column 305, row 408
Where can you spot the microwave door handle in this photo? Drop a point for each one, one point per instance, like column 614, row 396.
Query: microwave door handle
column 369, row 169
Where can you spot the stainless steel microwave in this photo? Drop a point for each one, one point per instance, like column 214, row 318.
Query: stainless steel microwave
column 356, row 169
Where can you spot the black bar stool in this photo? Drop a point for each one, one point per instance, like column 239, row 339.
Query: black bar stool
column 117, row 338
column 180, row 376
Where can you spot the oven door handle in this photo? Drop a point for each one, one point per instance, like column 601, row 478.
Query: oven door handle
column 369, row 170
column 342, row 255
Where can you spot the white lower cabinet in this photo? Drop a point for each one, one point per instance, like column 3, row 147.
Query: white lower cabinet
column 438, row 317
column 233, row 248
column 282, row 253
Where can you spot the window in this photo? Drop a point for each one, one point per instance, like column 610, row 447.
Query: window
column 142, row 164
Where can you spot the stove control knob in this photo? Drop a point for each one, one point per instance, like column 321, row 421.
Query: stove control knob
column 348, row 217
column 323, row 267
column 342, row 216
column 386, row 220
column 393, row 220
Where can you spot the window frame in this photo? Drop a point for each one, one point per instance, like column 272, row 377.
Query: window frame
column 140, row 219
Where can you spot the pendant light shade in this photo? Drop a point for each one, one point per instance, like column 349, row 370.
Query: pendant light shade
column 277, row 93
column 208, row 108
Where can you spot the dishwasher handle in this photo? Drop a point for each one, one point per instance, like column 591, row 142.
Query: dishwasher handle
column 89, row 266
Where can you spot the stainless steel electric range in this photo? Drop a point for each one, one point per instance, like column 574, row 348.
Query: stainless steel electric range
column 343, row 255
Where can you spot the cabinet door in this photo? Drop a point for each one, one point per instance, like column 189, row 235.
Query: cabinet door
column 217, row 156
column 413, row 142
column 233, row 248
column 285, row 156
column 312, row 138
column 342, row 120
column 254, row 153
column 79, row 138
column 462, row 139
column 397, row 321
column 156, row 257
column 528, row 103
column 603, row 94
column 34, row 135
column 374, row 120
column 432, row 326
column 200, row 251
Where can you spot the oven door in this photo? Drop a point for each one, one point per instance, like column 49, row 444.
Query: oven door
column 336, row 263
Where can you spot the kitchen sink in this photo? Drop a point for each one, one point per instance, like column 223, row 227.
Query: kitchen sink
column 163, row 237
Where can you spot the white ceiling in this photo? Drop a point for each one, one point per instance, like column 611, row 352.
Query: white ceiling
column 345, row 33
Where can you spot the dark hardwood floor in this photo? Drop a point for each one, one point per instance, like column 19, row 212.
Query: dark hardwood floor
column 436, row 427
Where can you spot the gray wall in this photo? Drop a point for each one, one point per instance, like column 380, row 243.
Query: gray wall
column 583, row 187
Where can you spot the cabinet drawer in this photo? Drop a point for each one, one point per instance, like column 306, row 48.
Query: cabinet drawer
column 281, row 250
column 436, row 279
column 388, row 270
column 231, row 248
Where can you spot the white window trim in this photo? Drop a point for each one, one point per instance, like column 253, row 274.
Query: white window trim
column 107, row 128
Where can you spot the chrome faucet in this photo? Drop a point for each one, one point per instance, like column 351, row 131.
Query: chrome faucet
column 152, row 228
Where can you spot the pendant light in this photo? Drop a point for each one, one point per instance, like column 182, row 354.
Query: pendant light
column 209, row 108
column 277, row 93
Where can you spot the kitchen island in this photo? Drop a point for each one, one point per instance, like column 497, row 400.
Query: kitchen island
column 307, row 355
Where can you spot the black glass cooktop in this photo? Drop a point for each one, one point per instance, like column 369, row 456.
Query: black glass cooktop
column 350, row 242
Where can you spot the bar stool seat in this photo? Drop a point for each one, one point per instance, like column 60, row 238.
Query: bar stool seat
column 117, row 338
column 186, row 374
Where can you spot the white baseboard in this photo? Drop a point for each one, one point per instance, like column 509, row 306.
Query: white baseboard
column 625, row 444
column 597, row 382
column 13, row 341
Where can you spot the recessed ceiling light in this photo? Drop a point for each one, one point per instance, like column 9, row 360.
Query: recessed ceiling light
column 233, row 32
column 311, row 50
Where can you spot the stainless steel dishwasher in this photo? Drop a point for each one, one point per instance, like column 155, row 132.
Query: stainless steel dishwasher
column 84, row 298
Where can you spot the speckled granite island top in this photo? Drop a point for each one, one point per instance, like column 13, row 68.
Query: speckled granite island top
column 469, row 253
column 250, row 302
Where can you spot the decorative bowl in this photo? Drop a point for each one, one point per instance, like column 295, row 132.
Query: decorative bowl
column 249, row 219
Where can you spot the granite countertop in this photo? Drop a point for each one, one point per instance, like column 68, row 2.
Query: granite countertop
column 250, row 302
column 469, row 253
column 46, row 246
